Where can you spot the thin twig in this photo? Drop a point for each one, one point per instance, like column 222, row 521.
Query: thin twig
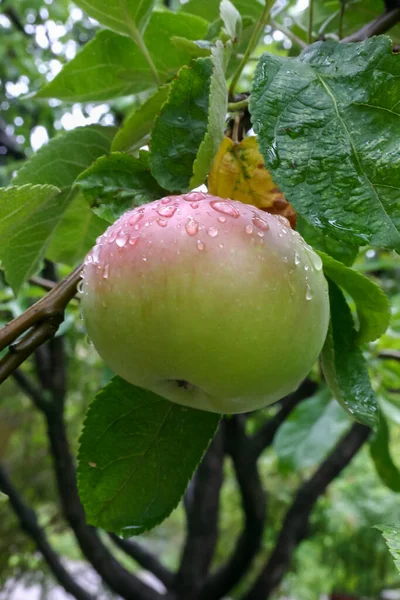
column 252, row 44
column 265, row 435
column 144, row 558
column 389, row 354
column 289, row 34
column 237, row 106
column 341, row 17
column 39, row 323
column 310, row 21
column 376, row 27
column 42, row 282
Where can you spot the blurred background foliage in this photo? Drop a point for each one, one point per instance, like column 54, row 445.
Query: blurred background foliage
column 344, row 553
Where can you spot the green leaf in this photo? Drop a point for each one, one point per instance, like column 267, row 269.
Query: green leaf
column 197, row 48
column 116, row 15
column 118, row 182
column 231, row 19
column 181, row 126
column 392, row 539
column 310, row 432
column 137, row 455
column 218, row 103
column 59, row 163
column 380, row 453
column 372, row 304
column 320, row 239
column 344, row 366
column 139, row 122
column 76, row 233
column 112, row 65
column 28, row 215
column 325, row 123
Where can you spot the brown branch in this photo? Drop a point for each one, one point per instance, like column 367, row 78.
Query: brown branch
column 202, row 503
column 42, row 282
column 41, row 322
column 144, row 558
column 29, row 523
column 295, row 524
column 389, row 354
column 265, row 435
column 239, row 446
column 376, row 27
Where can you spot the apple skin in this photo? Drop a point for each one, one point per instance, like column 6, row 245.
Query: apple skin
column 208, row 302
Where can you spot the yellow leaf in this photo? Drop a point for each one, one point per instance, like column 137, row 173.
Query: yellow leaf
column 238, row 173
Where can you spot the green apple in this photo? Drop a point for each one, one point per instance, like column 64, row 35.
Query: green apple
column 207, row 302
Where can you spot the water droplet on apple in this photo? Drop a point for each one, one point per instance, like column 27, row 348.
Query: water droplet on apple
column 280, row 234
column 136, row 217
column 113, row 235
column 166, row 200
column 306, row 267
column 249, row 229
column 192, row 226
column 106, row 271
column 283, row 220
column 221, row 245
column 308, row 292
column 96, row 254
column 194, row 205
column 222, row 219
column 212, row 232
column 88, row 260
column 122, row 240
column 144, row 259
column 194, row 196
column 167, row 211
column 260, row 223
column 79, row 287
column 260, row 234
column 133, row 240
column 200, row 245
column 224, row 207
column 296, row 258
column 316, row 261
column 162, row 222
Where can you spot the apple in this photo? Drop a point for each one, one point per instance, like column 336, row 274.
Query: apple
column 208, row 302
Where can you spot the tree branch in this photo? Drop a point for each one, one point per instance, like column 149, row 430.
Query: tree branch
column 202, row 503
column 389, row 354
column 376, row 27
column 295, row 524
column 265, row 435
column 41, row 322
column 239, row 447
column 144, row 558
column 29, row 523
